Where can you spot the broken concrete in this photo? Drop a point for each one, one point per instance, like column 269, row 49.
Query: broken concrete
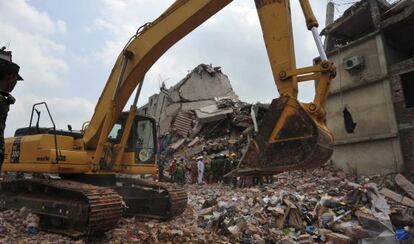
column 397, row 197
column 203, row 83
column 203, row 105
column 191, row 106
column 212, row 113
column 277, row 212
column 407, row 186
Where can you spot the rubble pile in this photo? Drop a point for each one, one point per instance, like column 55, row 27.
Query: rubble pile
column 23, row 227
column 314, row 206
column 216, row 129
column 202, row 114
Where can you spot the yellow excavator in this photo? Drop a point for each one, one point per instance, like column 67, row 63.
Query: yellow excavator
column 88, row 188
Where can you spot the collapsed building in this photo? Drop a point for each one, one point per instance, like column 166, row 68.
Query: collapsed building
column 370, row 107
column 202, row 113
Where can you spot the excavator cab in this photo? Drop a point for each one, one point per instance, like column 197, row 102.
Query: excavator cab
column 142, row 139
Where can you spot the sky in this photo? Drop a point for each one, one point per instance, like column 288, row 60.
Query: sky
column 66, row 50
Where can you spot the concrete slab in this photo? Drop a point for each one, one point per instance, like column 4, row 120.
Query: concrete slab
column 165, row 125
column 204, row 84
column 212, row 113
column 174, row 95
column 172, row 109
column 177, row 144
column 196, row 105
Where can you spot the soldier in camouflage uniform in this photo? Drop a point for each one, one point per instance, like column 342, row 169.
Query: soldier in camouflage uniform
column 217, row 166
column 9, row 75
column 179, row 174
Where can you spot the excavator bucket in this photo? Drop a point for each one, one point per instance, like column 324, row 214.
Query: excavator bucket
column 289, row 139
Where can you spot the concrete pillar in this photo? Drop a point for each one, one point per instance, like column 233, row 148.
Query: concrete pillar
column 330, row 13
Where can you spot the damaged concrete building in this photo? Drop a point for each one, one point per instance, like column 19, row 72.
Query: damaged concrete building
column 201, row 113
column 371, row 101
column 198, row 89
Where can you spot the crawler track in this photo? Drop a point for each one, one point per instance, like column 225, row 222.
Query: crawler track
column 71, row 208
column 77, row 209
column 152, row 199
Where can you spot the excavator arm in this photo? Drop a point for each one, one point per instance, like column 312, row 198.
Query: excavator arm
column 293, row 134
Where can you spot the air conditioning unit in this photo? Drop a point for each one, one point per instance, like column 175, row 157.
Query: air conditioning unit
column 353, row 63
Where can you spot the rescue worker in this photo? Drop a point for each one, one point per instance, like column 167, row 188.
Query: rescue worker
column 173, row 167
column 194, row 170
column 200, row 166
column 269, row 179
column 207, row 171
column 207, row 167
column 233, row 160
column 187, row 170
column 217, row 168
column 179, row 174
column 226, row 168
column 9, row 75
column 258, row 180
column 233, row 163
column 214, row 175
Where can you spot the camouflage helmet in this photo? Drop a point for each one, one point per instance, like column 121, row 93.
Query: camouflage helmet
column 6, row 64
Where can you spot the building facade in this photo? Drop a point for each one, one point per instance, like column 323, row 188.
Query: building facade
column 371, row 100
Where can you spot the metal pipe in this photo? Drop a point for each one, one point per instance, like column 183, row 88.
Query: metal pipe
column 253, row 115
column 319, row 44
column 138, row 92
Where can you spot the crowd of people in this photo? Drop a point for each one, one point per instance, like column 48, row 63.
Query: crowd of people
column 199, row 169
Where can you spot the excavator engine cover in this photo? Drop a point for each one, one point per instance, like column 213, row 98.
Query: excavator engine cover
column 289, row 139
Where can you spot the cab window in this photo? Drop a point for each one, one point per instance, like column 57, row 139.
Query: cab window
column 145, row 148
column 116, row 133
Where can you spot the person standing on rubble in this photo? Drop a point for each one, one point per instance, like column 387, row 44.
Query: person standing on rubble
column 187, row 170
column 233, row 165
column 220, row 167
column 233, row 160
column 200, row 166
column 9, row 75
column 226, row 169
column 194, row 170
column 214, row 175
column 207, row 171
column 173, row 167
column 217, row 168
column 257, row 180
column 179, row 174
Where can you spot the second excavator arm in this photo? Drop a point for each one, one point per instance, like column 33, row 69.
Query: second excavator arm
column 292, row 135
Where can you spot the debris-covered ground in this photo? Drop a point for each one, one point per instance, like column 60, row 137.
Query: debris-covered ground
column 315, row 206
